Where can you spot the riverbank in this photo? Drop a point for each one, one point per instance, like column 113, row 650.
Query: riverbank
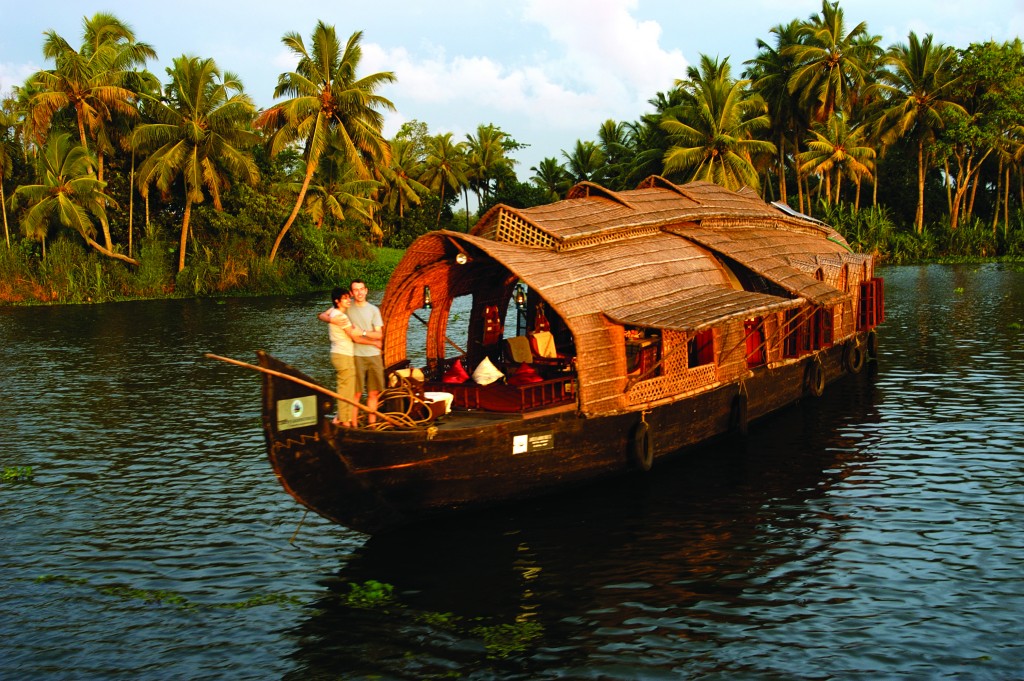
column 71, row 274
column 68, row 274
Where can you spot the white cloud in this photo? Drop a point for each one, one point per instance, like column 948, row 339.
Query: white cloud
column 599, row 63
column 14, row 74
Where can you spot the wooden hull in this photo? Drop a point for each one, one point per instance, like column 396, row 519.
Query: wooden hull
column 372, row 480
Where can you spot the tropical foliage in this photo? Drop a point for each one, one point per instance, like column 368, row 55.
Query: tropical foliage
column 117, row 183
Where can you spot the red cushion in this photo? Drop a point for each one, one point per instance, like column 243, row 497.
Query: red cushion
column 524, row 375
column 457, row 374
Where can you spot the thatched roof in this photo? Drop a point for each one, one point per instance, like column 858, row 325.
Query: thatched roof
column 655, row 257
column 592, row 213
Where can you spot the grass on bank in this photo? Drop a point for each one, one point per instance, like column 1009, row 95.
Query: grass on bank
column 320, row 260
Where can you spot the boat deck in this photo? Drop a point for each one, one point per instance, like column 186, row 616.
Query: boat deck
column 469, row 418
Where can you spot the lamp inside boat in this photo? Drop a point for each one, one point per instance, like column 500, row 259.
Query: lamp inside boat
column 428, row 301
column 520, row 295
column 461, row 258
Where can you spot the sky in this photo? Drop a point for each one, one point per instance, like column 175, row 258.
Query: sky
column 547, row 72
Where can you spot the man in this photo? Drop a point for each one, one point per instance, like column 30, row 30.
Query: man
column 368, row 360
column 343, row 335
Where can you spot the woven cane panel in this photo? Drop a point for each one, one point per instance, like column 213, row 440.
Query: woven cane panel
column 678, row 378
column 514, row 230
column 584, row 242
column 773, row 339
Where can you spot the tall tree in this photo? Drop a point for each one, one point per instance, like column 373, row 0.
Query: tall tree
column 8, row 126
column 339, row 192
column 714, row 132
column 328, row 96
column 201, row 134
column 836, row 151
column 829, row 69
column 68, row 193
column 98, row 81
column 614, row 140
column 586, row 163
column 769, row 74
column 485, row 158
column 444, row 167
column 916, row 92
column 551, row 176
column 402, row 190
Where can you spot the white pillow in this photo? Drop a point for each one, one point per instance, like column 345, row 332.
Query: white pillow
column 486, row 373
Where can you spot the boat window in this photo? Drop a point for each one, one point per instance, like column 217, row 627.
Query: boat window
column 701, row 348
column 643, row 350
column 796, row 341
column 821, row 327
column 754, row 329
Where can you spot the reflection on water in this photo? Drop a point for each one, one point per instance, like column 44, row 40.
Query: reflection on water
column 875, row 532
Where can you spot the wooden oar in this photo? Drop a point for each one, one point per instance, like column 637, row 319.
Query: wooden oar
column 314, row 386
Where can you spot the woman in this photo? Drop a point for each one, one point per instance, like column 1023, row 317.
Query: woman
column 343, row 334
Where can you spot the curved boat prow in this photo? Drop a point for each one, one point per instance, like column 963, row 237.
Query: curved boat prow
column 303, row 449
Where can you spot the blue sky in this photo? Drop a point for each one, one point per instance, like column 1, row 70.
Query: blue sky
column 548, row 72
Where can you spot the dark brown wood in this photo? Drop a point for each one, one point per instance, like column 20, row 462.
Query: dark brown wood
column 694, row 269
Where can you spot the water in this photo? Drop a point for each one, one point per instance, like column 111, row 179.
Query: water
column 877, row 532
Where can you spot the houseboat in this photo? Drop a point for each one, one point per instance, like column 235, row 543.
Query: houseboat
column 646, row 321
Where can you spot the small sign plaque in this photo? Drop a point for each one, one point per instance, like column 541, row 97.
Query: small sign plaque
column 533, row 442
column 298, row 412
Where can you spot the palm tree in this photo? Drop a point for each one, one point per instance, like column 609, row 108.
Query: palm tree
column 98, row 82
column 401, row 189
column 551, row 176
column 94, row 81
column 444, row 167
column 769, row 73
column 614, row 140
column 485, row 158
column 585, row 163
column 714, row 130
column 200, row 134
column 8, row 123
column 339, row 192
column 838, row 150
column 917, row 92
column 829, row 71
column 69, row 193
column 327, row 97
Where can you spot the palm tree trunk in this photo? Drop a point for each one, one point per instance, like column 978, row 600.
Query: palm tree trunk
column 131, row 201
column 998, row 195
column 184, row 234
column 781, row 170
column 919, row 215
column 440, row 206
column 110, row 254
column 310, row 169
column 1006, row 202
column 3, row 207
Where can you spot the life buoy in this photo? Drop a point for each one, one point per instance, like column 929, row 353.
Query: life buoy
column 872, row 345
column 641, row 447
column 815, row 378
column 739, row 413
column 853, row 357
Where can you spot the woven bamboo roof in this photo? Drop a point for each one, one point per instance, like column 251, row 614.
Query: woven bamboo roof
column 767, row 253
column 592, row 213
column 660, row 256
column 701, row 308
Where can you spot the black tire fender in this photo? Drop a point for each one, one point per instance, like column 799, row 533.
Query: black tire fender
column 872, row 344
column 815, row 377
column 641, row 447
column 738, row 416
column 853, row 357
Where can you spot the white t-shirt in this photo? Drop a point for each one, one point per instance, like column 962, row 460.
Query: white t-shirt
column 341, row 343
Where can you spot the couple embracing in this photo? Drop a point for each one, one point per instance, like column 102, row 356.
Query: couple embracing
column 355, row 331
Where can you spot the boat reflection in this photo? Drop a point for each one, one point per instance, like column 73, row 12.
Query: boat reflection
column 669, row 554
